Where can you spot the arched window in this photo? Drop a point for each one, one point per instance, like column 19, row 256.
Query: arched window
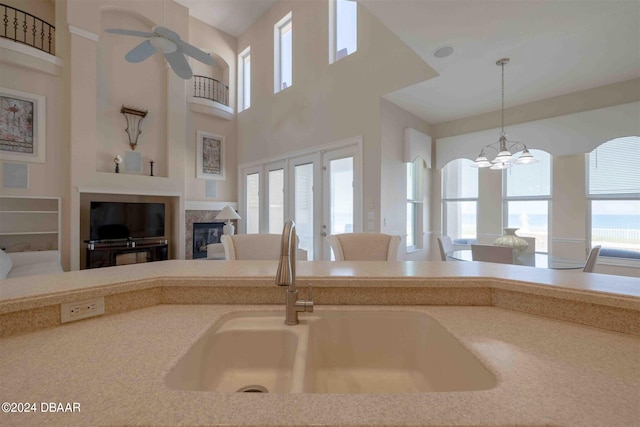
column 527, row 193
column 460, row 201
column 614, row 193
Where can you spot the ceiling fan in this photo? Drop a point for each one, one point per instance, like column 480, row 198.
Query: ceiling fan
column 161, row 39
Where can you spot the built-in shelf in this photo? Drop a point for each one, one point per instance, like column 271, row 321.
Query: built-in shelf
column 29, row 223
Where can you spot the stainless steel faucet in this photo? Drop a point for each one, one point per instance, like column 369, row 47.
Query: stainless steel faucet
column 286, row 275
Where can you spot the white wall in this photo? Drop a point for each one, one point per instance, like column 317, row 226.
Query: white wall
column 85, row 86
column 326, row 103
column 393, row 187
column 222, row 46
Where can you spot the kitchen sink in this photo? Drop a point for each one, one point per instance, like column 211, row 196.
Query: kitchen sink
column 336, row 351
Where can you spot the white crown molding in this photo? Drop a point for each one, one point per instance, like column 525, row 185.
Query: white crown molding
column 83, row 33
column 200, row 205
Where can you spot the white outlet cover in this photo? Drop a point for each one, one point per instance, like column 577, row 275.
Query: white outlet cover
column 77, row 310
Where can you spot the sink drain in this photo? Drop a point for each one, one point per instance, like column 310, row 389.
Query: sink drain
column 253, row 389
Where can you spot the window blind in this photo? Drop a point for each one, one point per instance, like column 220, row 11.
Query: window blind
column 614, row 167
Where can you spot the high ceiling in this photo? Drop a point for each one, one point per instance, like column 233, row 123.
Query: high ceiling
column 231, row 16
column 556, row 47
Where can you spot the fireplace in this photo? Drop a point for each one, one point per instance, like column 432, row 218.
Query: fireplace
column 205, row 233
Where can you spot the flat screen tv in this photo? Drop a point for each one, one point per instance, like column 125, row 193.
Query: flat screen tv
column 125, row 220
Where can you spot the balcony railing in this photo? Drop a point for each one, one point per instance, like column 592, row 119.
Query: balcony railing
column 208, row 88
column 23, row 27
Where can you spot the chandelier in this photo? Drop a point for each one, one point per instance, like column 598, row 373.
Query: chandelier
column 504, row 159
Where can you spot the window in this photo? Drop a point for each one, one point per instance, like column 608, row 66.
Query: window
column 244, row 79
column 303, row 205
column 253, row 202
column 460, row 201
column 614, row 193
column 283, row 54
column 343, row 29
column 275, row 196
column 415, row 194
column 527, row 193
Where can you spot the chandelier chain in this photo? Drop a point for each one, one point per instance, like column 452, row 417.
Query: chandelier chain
column 502, row 114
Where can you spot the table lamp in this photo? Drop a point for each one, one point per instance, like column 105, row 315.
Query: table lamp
column 228, row 214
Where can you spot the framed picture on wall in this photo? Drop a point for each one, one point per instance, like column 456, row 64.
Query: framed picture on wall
column 22, row 126
column 210, row 163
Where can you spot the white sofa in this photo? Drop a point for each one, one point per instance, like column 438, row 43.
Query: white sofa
column 33, row 263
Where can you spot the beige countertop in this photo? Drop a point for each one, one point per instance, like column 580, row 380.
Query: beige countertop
column 585, row 283
column 610, row 302
column 549, row 373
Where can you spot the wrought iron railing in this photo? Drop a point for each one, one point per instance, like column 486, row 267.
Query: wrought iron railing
column 208, row 88
column 23, row 27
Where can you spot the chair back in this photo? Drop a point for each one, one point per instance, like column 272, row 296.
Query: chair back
column 364, row 246
column 591, row 259
column 531, row 249
column 255, row 247
column 492, row 253
column 445, row 244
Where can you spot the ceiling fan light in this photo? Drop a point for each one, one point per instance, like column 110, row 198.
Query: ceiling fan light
column 163, row 45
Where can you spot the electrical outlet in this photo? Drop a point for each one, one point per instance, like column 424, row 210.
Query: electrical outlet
column 77, row 310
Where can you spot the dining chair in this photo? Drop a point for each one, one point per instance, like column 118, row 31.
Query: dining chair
column 590, row 264
column 445, row 244
column 255, row 247
column 364, row 246
column 492, row 253
column 531, row 249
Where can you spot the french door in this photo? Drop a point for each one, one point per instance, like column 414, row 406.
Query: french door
column 339, row 204
column 320, row 191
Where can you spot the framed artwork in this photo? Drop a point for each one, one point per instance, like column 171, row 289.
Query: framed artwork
column 22, row 126
column 210, row 162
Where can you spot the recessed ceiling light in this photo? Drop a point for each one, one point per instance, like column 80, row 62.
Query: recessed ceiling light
column 443, row 51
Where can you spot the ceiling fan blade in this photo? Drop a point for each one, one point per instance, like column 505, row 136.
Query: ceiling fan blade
column 129, row 32
column 179, row 64
column 140, row 52
column 194, row 52
column 164, row 31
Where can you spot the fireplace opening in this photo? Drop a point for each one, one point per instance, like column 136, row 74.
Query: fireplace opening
column 205, row 233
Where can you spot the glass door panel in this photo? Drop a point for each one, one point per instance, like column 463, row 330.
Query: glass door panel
column 276, row 200
column 303, row 206
column 339, row 212
column 341, row 195
column 253, row 203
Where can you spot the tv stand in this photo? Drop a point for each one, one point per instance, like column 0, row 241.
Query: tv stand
column 109, row 253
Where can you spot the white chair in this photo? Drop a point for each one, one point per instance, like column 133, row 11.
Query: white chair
column 591, row 259
column 215, row 251
column 445, row 245
column 492, row 253
column 255, row 247
column 531, row 249
column 364, row 246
